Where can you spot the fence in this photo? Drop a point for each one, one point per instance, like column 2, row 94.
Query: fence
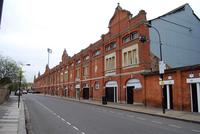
column 4, row 94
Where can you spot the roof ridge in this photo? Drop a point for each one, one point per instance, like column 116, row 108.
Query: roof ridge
column 180, row 8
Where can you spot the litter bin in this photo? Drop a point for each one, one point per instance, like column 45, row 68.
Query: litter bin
column 104, row 100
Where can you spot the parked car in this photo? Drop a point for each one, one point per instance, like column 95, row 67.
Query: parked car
column 17, row 92
column 24, row 91
column 30, row 91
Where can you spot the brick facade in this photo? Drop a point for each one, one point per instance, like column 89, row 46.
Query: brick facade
column 118, row 66
column 181, row 90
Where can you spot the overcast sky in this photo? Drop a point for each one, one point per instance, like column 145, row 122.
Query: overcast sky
column 29, row 27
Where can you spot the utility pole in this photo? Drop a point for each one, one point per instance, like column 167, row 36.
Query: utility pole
column 162, row 66
column 20, row 81
column 49, row 51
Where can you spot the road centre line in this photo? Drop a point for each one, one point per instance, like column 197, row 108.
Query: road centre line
column 104, row 110
column 131, row 116
column 58, row 116
column 66, row 122
column 140, row 118
column 175, row 126
column 116, row 112
column 63, row 119
column 120, row 113
column 157, row 122
column 75, row 128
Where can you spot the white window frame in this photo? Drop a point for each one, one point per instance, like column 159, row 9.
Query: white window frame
column 126, row 62
column 108, row 57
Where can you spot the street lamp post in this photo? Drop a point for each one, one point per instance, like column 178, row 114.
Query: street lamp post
column 161, row 65
column 20, row 79
column 49, row 51
column 48, row 83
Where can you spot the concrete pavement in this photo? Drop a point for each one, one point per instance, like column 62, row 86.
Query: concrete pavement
column 12, row 118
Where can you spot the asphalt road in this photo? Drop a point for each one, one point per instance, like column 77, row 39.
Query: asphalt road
column 50, row 115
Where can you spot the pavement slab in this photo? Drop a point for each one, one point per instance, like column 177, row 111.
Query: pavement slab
column 11, row 117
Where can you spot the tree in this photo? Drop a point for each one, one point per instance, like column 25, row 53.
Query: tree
column 9, row 70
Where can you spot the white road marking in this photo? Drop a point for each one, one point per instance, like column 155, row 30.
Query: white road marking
column 175, row 126
column 120, row 113
column 75, row 128
column 197, row 131
column 68, row 123
column 157, row 122
column 63, row 119
column 131, row 116
column 140, row 118
column 58, row 116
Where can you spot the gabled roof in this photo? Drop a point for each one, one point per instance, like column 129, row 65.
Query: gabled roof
column 178, row 9
column 118, row 8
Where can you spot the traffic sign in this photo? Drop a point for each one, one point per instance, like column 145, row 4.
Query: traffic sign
column 162, row 67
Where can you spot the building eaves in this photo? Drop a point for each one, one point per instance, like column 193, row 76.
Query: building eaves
column 171, row 70
column 178, row 9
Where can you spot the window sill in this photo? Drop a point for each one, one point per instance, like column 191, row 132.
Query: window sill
column 130, row 66
column 110, row 72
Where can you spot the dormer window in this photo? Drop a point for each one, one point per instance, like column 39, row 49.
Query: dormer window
column 111, row 46
column 129, row 37
column 97, row 85
column 78, row 62
column 97, row 52
column 86, row 57
column 134, row 35
column 126, row 39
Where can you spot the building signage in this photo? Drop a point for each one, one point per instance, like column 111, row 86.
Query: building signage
column 193, row 80
column 77, row 86
column 166, row 82
column 111, row 84
column 134, row 83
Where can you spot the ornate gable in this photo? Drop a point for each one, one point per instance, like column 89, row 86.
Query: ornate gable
column 119, row 15
column 65, row 56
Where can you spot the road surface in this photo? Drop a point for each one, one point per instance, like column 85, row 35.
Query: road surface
column 51, row 115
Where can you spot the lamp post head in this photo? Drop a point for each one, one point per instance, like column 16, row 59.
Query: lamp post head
column 142, row 38
column 148, row 24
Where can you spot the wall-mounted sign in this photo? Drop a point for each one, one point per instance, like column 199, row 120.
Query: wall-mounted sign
column 193, row 80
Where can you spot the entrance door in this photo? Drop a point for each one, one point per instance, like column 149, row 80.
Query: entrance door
column 111, row 91
column 129, row 95
column 85, row 93
column 195, row 97
column 110, row 94
column 66, row 92
column 168, row 97
column 77, row 93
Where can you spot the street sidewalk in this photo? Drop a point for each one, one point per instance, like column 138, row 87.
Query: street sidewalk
column 172, row 114
column 12, row 118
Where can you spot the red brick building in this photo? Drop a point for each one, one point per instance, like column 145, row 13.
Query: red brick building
column 122, row 68
column 107, row 66
column 181, row 89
